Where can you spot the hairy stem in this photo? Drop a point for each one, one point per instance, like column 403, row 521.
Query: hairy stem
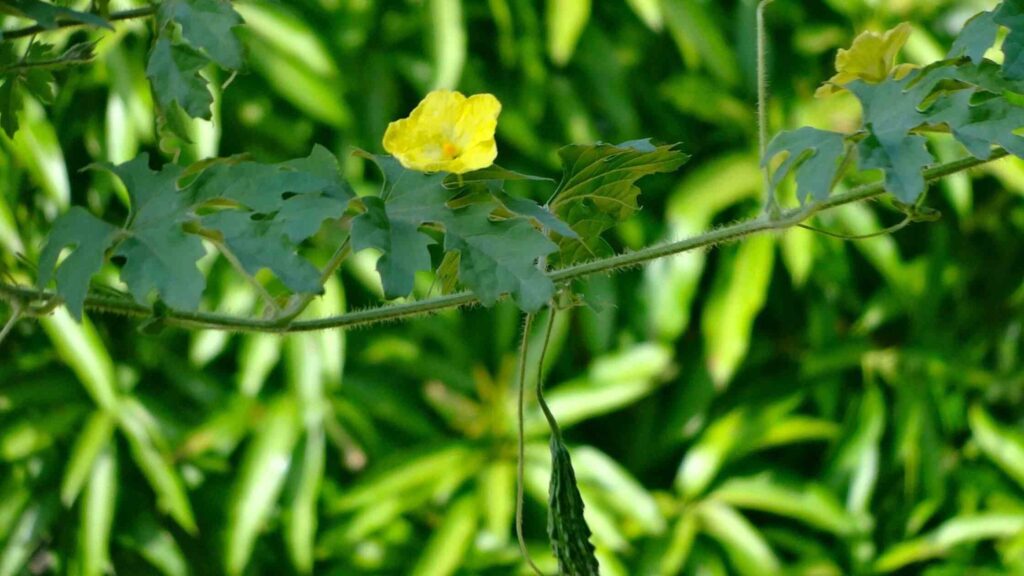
column 391, row 313
column 771, row 205
column 143, row 12
column 521, row 449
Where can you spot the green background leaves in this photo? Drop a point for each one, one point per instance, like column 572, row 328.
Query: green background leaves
column 830, row 407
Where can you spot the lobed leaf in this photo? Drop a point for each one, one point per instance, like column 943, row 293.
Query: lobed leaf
column 1011, row 15
column 890, row 113
column 207, row 25
column 598, row 190
column 159, row 256
column 499, row 257
column 90, row 238
column 976, row 37
column 495, row 256
column 173, row 70
column 816, row 153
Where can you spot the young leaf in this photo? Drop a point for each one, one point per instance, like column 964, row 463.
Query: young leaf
column 598, row 190
column 207, row 25
column 568, row 530
column 816, row 153
column 90, row 238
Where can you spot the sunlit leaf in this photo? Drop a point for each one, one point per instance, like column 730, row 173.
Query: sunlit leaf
column 598, row 190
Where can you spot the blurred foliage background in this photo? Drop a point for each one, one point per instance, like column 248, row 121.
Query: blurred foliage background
column 792, row 404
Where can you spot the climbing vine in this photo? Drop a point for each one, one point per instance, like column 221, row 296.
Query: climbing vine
column 442, row 189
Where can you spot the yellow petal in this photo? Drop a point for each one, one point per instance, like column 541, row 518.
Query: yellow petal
column 446, row 132
column 871, row 58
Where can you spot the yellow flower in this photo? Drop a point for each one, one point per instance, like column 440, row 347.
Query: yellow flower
column 871, row 58
column 447, row 132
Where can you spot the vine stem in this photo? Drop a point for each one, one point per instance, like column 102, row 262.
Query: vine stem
column 556, row 431
column 16, row 314
column 521, row 448
column 143, row 12
column 391, row 313
column 771, row 205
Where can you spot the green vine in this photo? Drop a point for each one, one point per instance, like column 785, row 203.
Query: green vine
column 440, row 189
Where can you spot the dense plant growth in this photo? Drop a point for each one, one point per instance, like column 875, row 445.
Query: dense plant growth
column 198, row 238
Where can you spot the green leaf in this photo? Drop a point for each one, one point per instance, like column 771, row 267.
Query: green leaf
column 89, row 443
column 1004, row 447
column 10, row 105
column 739, row 294
column 747, row 549
column 958, row 531
column 566, row 20
column 496, row 257
column 493, row 173
column 26, row 535
column 1011, row 14
column 976, row 37
column 259, row 481
column 815, row 153
column 149, row 451
column 173, row 70
column 890, row 113
column 530, row 209
column 90, row 238
column 598, row 190
column 449, row 42
column 97, row 514
column 618, row 489
column 49, row 16
column 262, row 244
column 446, row 550
column 567, row 529
column 410, row 473
column 499, row 257
column 207, row 25
column 159, row 256
column 812, row 504
column 155, row 545
column 980, row 125
column 404, row 250
column 301, row 517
